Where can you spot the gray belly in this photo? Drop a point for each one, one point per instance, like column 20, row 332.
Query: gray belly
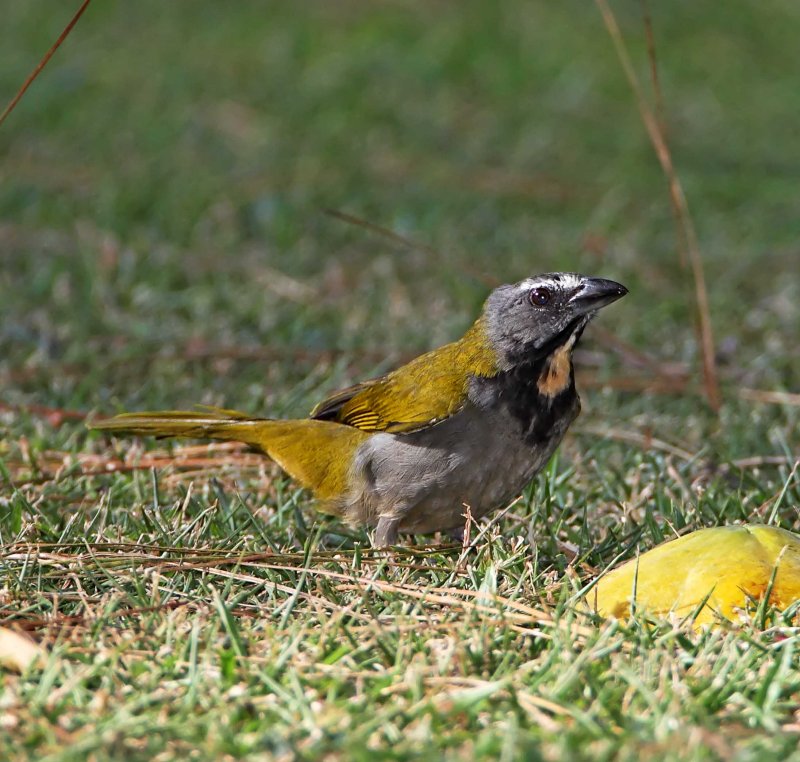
column 477, row 458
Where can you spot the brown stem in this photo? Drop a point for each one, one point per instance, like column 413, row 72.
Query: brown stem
column 47, row 56
column 687, row 234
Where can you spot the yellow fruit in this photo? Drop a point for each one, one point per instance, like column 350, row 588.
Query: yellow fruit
column 726, row 564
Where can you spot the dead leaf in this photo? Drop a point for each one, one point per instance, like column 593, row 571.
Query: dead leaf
column 19, row 652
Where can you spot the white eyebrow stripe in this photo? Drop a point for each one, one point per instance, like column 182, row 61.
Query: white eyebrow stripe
column 563, row 281
column 527, row 285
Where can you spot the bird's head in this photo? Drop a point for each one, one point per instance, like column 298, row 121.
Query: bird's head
column 533, row 318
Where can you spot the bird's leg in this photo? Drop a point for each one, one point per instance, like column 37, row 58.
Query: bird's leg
column 460, row 535
column 386, row 532
column 456, row 534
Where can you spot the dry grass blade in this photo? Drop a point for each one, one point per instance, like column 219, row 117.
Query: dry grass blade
column 47, row 56
column 519, row 615
column 758, row 461
column 184, row 462
column 644, row 441
column 382, row 231
column 651, row 55
column 55, row 416
column 634, row 356
column 688, row 236
column 666, row 385
column 773, row 397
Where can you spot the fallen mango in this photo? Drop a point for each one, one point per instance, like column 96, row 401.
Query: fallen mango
column 726, row 564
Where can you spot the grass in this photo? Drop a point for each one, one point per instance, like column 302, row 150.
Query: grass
column 161, row 196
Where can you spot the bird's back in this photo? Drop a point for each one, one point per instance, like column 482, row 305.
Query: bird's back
column 421, row 393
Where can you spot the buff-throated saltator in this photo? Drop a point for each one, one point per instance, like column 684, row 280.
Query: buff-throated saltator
column 466, row 425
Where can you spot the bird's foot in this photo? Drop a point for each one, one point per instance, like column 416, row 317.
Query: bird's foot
column 456, row 534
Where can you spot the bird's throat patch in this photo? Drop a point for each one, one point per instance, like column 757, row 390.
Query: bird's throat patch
column 556, row 375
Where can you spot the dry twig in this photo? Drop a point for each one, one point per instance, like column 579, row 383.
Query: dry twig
column 687, row 233
column 47, row 56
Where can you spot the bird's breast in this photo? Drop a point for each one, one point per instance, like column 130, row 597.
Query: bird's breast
column 481, row 457
column 538, row 401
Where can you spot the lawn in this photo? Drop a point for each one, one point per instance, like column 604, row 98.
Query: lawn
column 164, row 243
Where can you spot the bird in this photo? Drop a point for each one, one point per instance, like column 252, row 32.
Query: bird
column 463, row 427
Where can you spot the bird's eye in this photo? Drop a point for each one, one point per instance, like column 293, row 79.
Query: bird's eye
column 538, row 297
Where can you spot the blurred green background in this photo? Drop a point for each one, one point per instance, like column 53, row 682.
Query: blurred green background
column 163, row 185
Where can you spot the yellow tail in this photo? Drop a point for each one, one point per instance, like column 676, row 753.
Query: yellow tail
column 211, row 423
column 318, row 454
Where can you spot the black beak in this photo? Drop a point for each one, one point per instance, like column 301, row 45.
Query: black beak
column 594, row 293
